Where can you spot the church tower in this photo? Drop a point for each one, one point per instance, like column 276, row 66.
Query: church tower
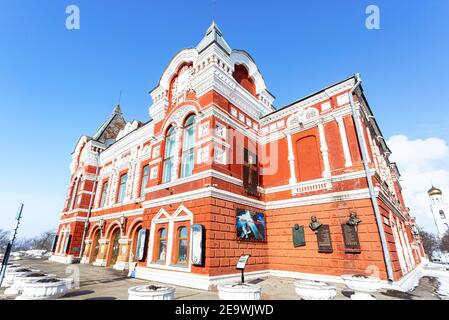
column 440, row 210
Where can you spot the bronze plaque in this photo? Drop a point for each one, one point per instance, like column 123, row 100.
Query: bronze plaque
column 351, row 238
column 298, row 236
column 323, row 236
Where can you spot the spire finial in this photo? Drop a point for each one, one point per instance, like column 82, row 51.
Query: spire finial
column 117, row 109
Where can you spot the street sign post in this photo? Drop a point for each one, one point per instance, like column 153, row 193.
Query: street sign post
column 10, row 243
column 241, row 264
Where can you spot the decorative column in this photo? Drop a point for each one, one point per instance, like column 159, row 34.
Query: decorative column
column 86, row 252
column 102, row 255
column 324, row 151
column 122, row 259
column 170, row 234
column 291, row 159
column 344, row 141
column 137, row 170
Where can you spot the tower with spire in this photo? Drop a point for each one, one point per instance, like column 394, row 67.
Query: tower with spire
column 440, row 210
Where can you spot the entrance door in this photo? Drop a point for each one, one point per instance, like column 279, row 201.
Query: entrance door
column 96, row 246
column 132, row 257
column 115, row 247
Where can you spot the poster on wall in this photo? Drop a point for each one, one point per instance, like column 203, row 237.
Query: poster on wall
column 250, row 225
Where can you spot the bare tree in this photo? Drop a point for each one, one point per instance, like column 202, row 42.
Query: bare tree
column 4, row 238
column 44, row 241
column 444, row 242
column 23, row 244
column 430, row 242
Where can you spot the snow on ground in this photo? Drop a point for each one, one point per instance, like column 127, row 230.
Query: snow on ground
column 443, row 289
column 441, row 272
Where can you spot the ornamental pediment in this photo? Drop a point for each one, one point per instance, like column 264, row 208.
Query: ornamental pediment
column 303, row 116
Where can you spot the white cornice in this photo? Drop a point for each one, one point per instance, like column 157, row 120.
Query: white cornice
column 270, row 205
column 317, row 98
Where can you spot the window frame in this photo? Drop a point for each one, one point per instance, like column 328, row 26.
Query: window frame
column 142, row 179
column 171, row 132
column 159, row 239
column 119, row 188
column 104, row 193
column 75, row 195
column 178, row 240
column 190, row 152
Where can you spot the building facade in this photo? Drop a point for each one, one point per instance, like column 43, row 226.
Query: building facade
column 218, row 172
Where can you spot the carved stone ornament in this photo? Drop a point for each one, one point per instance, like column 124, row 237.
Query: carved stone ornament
column 302, row 116
column 314, row 224
column 353, row 219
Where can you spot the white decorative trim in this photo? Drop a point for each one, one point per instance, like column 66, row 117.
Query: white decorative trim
column 344, row 141
column 99, row 263
column 65, row 259
column 163, row 217
column 291, row 159
column 286, row 203
column 192, row 280
column 324, row 153
column 121, row 266
column 116, row 215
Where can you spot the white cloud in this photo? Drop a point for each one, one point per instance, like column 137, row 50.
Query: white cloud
column 421, row 162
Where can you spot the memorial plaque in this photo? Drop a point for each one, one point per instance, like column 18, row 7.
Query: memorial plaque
column 197, row 244
column 323, row 236
column 298, row 236
column 351, row 238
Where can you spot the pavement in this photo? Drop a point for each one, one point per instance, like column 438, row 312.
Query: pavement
column 99, row 283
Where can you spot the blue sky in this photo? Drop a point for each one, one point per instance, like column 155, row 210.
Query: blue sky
column 56, row 84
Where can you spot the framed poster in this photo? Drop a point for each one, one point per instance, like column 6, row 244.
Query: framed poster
column 250, row 225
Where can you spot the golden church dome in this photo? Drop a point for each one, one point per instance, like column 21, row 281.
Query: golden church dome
column 434, row 192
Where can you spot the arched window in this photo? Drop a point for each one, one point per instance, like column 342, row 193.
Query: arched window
column 162, row 245
column 122, row 188
column 75, row 195
column 183, row 234
column 187, row 147
column 72, row 194
column 442, row 215
column 308, row 155
column 241, row 75
column 169, row 155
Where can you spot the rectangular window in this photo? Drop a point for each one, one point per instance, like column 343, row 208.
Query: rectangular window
column 250, row 172
column 104, row 193
column 144, row 182
column 122, row 188
column 75, row 195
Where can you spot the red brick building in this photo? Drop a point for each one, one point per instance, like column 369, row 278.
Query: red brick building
column 219, row 172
